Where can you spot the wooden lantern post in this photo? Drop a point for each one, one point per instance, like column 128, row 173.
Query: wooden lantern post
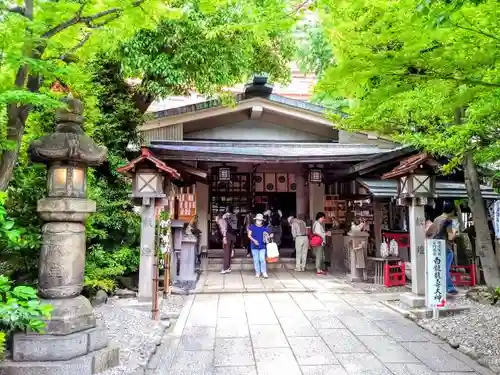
column 416, row 189
column 149, row 176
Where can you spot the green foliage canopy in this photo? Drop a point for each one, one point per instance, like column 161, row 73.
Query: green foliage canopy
column 411, row 64
column 210, row 48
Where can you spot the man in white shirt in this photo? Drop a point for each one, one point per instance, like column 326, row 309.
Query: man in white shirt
column 299, row 234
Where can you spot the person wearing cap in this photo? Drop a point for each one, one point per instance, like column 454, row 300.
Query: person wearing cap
column 299, row 234
column 259, row 235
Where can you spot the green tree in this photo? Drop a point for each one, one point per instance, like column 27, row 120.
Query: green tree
column 209, row 49
column 42, row 41
column 427, row 74
column 314, row 52
column 38, row 41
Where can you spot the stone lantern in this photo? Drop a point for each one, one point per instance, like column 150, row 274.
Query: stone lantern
column 416, row 189
column 72, row 341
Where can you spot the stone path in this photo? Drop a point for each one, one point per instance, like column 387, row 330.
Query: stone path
column 280, row 280
column 301, row 333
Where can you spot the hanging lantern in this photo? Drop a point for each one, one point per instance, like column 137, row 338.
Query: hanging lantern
column 224, row 173
column 315, row 176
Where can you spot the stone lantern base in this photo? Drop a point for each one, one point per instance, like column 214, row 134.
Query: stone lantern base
column 72, row 344
column 91, row 363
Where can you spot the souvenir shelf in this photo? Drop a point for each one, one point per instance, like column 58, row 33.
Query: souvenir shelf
column 384, row 207
column 362, row 210
column 335, row 208
column 186, row 204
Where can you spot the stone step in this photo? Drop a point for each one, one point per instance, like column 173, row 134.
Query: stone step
column 246, row 264
column 241, row 253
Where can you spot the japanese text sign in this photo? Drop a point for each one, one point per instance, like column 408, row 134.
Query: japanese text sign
column 435, row 253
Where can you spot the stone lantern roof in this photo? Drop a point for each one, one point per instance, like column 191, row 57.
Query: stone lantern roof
column 69, row 142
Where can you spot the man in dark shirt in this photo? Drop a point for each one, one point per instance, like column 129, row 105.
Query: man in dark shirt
column 442, row 229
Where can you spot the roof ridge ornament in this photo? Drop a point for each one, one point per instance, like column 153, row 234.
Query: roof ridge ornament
column 259, row 87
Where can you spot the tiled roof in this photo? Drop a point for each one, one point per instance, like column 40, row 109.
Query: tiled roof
column 444, row 189
column 409, row 165
column 252, row 91
column 281, row 151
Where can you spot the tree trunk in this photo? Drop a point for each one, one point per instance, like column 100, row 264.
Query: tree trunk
column 142, row 101
column 17, row 116
column 484, row 247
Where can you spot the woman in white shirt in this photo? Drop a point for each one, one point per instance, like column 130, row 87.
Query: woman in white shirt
column 318, row 229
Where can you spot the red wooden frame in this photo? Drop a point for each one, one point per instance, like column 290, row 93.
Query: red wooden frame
column 394, row 275
column 463, row 279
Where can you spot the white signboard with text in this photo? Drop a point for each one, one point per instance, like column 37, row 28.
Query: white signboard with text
column 435, row 254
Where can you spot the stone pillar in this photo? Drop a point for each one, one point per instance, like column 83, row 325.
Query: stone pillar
column 177, row 236
column 358, row 271
column 187, row 271
column 417, row 248
column 337, row 250
column 148, row 237
column 416, row 298
column 72, row 342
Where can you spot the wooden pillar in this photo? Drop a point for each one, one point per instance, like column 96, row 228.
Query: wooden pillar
column 316, row 199
column 202, row 208
column 301, row 196
column 377, row 225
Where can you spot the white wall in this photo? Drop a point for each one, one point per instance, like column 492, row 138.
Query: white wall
column 254, row 130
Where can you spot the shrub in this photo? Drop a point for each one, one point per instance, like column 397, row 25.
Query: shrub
column 20, row 310
column 103, row 267
column 3, row 341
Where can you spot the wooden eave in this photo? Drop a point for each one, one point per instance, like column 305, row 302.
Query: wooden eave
column 411, row 164
column 148, row 157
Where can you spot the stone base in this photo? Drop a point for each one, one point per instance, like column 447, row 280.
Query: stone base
column 426, row 313
column 70, row 315
column 89, row 364
column 411, row 300
column 36, row 347
column 355, row 279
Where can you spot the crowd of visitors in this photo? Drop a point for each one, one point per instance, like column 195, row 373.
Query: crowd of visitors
column 262, row 229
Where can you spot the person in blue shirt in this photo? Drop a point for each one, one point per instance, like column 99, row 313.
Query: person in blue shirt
column 259, row 235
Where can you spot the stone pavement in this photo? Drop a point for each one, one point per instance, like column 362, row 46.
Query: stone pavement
column 280, row 280
column 316, row 333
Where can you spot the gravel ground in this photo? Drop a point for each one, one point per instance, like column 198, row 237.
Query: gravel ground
column 131, row 328
column 475, row 333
